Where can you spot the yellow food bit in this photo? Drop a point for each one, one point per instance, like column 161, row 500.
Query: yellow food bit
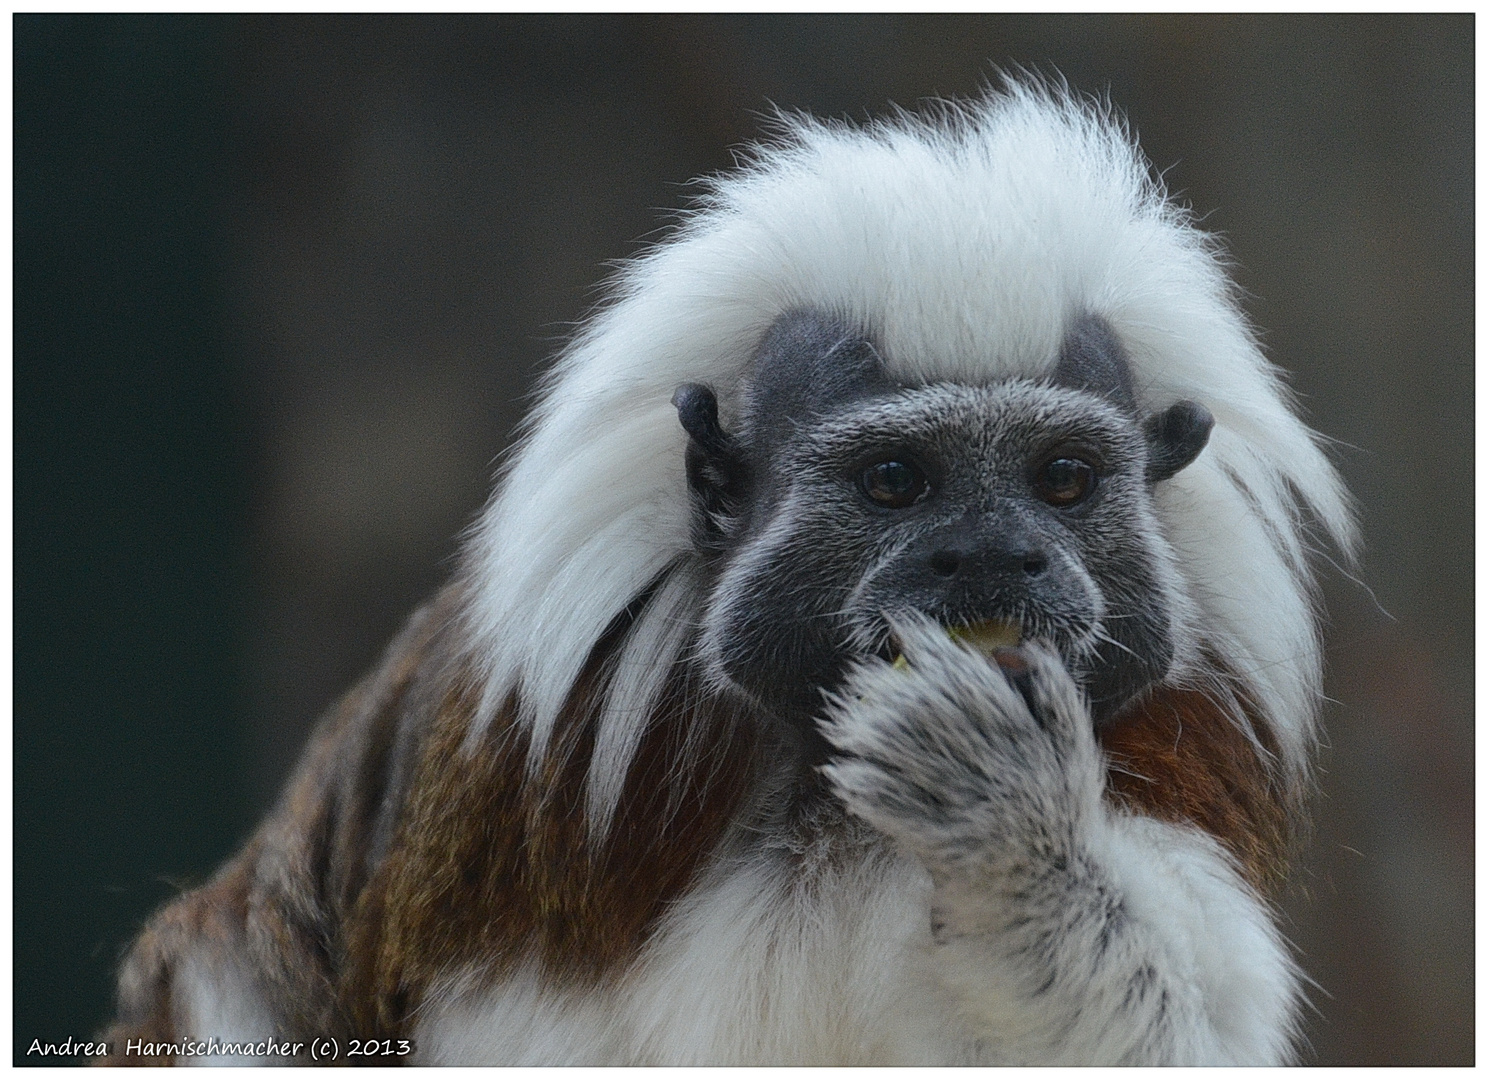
column 985, row 637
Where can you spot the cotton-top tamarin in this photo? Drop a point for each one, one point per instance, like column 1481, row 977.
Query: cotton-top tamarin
column 892, row 642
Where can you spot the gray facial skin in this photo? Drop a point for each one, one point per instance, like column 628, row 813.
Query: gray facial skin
column 844, row 498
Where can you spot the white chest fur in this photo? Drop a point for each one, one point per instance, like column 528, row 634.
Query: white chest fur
column 758, row 967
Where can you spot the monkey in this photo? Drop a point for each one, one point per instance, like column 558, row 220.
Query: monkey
column 894, row 640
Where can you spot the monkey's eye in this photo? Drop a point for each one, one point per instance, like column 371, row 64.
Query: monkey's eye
column 894, row 484
column 1065, row 481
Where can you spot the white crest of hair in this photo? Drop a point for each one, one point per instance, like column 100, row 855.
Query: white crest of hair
column 965, row 242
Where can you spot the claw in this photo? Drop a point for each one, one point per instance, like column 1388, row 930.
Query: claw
column 1016, row 669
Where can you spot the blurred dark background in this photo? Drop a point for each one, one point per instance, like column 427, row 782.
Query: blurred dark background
column 281, row 285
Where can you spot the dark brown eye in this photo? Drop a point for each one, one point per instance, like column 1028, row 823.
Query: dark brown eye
column 894, row 484
column 1065, row 481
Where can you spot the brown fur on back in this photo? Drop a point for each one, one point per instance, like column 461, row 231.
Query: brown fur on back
column 493, row 871
column 278, row 907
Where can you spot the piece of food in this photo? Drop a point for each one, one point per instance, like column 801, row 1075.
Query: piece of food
column 985, row 637
column 989, row 636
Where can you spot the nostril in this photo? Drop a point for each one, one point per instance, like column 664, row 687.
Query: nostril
column 1035, row 564
column 945, row 563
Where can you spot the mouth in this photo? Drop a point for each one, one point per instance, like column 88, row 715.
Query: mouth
column 986, row 637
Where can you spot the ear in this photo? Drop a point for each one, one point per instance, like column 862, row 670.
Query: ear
column 1093, row 359
column 715, row 466
column 807, row 363
column 1175, row 437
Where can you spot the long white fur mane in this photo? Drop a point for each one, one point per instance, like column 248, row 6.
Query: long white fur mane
column 966, row 242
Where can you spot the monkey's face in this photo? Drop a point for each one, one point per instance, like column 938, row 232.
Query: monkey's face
column 846, row 501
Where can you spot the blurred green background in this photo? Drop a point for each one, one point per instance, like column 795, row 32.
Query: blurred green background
column 282, row 283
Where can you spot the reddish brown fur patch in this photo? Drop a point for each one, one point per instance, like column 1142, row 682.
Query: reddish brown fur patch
column 492, row 872
column 1182, row 756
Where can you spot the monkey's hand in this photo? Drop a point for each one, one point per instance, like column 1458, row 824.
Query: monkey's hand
column 1065, row 931
column 971, row 765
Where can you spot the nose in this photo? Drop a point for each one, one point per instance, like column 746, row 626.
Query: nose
column 1008, row 561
